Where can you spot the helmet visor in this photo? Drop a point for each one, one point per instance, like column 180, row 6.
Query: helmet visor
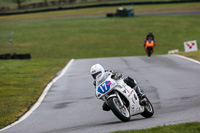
column 95, row 75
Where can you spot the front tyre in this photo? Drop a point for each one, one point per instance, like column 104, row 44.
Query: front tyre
column 148, row 109
column 149, row 51
column 120, row 112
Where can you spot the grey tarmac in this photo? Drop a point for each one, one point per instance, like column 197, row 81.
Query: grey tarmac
column 70, row 106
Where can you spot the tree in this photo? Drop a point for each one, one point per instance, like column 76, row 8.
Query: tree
column 45, row 3
column 19, row 2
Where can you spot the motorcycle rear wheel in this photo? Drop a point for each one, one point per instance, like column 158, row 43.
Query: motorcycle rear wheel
column 148, row 110
column 120, row 112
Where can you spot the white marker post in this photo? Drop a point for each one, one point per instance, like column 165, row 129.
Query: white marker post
column 190, row 46
column 173, row 51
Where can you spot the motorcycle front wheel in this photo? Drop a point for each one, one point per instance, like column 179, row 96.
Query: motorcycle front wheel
column 149, row 51
column 120, row 112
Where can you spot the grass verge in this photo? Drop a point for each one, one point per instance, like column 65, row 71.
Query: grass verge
column 102, row 37
column 193, row 127
column 102, row 11
column 21, row 82
column 194, row 55
column 13, row 5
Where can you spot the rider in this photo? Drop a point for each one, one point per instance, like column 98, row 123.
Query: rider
column 98, row 73
column 151, row 37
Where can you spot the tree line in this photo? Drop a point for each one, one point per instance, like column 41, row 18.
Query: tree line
column 40, row 4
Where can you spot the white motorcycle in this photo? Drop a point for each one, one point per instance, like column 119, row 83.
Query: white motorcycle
column 122, row 99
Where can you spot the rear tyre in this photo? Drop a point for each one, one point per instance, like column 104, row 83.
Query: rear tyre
column 148, row 109
column 120, row 112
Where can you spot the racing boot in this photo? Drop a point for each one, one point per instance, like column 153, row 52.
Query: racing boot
column 141, row 95
column 105, row 107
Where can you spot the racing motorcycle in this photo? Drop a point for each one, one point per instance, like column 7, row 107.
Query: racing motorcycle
column 149, row 46
column 122, row 99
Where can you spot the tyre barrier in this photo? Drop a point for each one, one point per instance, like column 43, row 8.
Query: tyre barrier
column 15, row 56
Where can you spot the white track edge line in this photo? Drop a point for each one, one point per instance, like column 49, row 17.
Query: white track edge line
column 41, row 98
column 187, row 58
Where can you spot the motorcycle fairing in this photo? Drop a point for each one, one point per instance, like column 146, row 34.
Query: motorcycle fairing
column 134, row 105
column 105, row 87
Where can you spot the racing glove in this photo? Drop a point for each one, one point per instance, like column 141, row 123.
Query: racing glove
column 116, row 75
column 94, row 83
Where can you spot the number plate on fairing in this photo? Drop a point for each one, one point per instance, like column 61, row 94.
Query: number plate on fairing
column 105, row 87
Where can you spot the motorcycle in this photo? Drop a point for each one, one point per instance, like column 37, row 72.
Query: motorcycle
column 122, row 99
column 149, row 46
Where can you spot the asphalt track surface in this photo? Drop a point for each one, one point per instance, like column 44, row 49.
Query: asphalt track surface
column 70, row 106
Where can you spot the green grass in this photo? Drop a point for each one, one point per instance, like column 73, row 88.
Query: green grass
column 194, row 55
column 103, row 37
column 21, row 82
column 53, row 43
column 179, row 128
column 102, row 11
column 13, row 5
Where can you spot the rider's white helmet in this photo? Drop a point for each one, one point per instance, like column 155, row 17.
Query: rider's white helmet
column 97, row 71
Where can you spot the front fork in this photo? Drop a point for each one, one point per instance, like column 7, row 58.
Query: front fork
column 120, row 100
column 114, row 95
